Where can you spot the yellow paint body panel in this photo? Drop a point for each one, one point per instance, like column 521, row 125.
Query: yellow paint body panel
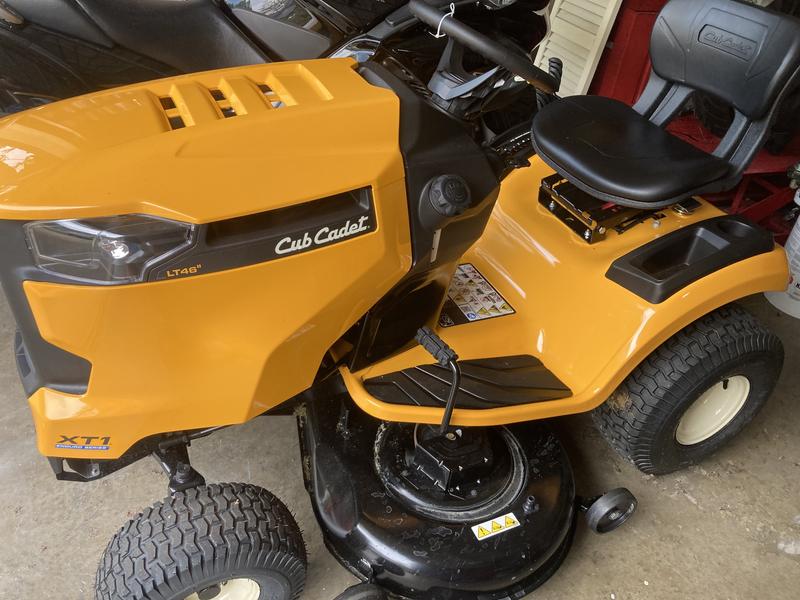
column 113, row 152
column 589, row 331
column 220, row 348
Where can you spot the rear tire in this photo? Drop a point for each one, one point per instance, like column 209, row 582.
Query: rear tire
column 205, row 541
column 714, row 114
column 647, row 415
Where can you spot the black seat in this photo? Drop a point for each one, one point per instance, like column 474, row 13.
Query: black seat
column 604, row 146
column 745, row 55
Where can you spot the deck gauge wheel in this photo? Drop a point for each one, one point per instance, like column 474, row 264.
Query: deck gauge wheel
column 609, row 511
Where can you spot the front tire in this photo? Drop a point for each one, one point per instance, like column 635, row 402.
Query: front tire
column 694, row 393
column 229, row 541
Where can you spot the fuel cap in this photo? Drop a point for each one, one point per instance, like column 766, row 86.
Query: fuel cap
column 449, row 195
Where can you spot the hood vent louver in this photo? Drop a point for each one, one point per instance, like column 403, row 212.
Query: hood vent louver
column 271, row 96
column 175, row 120
column 190, row 104
column 223, row 103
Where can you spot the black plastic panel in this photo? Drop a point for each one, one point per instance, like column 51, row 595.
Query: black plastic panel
column 40, row 364
column 287, row 40
column 740, row 53
column 665, row 266
column 63, row 16
column 432, row 143
column 362, row 13
column 485, row 383
column 194, row 35
column 274, row 234
column 38, row 63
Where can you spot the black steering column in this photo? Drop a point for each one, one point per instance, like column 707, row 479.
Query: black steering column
column 509, row 58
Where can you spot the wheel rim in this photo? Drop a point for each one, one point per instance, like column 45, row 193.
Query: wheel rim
column 233, row 589
column 713, row 411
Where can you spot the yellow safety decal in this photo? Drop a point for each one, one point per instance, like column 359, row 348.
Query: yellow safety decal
column 495, row 526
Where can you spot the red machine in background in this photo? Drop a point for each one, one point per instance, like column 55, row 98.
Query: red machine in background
column 764, row 195
column 625, row 65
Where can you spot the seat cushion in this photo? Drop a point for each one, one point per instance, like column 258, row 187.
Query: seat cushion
column 608, row 149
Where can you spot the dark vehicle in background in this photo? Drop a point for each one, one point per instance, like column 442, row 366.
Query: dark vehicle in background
column 53, row 49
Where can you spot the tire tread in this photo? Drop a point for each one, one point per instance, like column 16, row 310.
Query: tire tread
column 191, row 535
column 647, row 395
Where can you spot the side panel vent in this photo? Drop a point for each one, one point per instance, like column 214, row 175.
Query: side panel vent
column 579, row 30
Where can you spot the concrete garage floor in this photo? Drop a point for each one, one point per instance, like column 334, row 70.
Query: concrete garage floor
column 727, row 529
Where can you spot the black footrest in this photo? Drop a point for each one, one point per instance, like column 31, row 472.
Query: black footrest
column 485, row 383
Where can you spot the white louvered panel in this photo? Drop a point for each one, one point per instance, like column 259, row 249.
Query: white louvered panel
column 579, row 30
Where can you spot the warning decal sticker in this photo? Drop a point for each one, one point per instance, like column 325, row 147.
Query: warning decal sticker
column 471, row 298
column 496, row 526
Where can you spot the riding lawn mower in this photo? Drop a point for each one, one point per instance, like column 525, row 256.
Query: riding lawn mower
column 343, row 242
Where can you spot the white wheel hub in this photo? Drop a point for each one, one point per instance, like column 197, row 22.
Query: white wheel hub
column 233, row 589
column 712, row 411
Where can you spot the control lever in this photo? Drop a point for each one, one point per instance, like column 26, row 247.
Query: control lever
column 555, row 67
column 446, row 357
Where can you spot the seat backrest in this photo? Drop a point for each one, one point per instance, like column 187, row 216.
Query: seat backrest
column 743, row 54
column 740, row 53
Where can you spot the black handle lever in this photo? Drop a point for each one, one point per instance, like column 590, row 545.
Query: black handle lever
column 435, row 346
column 446, row 357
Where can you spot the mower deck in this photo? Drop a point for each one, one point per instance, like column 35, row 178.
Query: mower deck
column 505, row 536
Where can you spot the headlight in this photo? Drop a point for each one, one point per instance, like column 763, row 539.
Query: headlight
column 107, row 250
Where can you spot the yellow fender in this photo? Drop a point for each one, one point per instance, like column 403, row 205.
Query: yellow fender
column 586, row 329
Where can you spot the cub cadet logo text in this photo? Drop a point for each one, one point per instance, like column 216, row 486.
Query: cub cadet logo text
column 728, row 42
column 84, row 442
column 325, row 235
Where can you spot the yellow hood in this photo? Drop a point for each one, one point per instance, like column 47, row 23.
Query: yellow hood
column 202, row 147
